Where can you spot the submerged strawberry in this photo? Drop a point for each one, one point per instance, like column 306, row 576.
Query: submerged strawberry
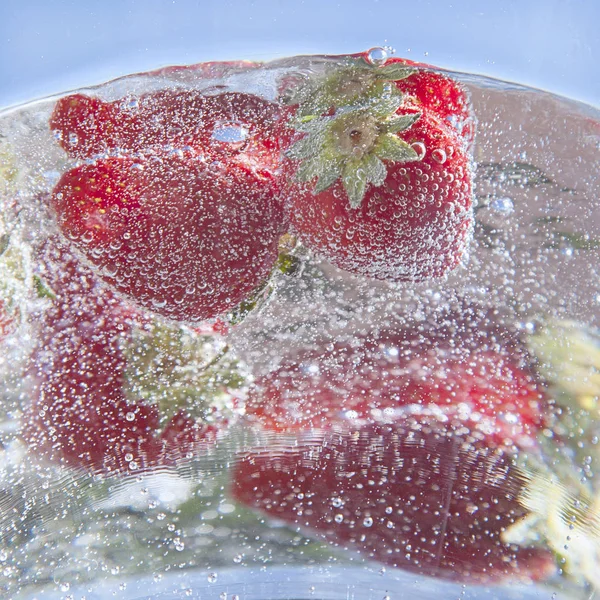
column 172, row 120
column 418, row 494
column 182, row 238
column 387, row 189
column 391, row 206
column 85, row 404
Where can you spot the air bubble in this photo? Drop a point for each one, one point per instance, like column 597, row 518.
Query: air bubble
column 420, row 149
column 504, row 206
column 377, row 55
column 230, row 133
column 439, row 156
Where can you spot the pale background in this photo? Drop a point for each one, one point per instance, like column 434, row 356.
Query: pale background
column 49, row 46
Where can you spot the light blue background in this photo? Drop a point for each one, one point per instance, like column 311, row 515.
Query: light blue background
column 49, row 46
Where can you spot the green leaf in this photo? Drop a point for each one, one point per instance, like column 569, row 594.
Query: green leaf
column 391, row 147
column 309, row 169
column 328, row 177
column 401, row 123
column 4, row 242
column 394, row 72
column 375, row 170
column 311, row 124
column 306, row 147
column 355, row 182
column 316, row 105
column 386, row 106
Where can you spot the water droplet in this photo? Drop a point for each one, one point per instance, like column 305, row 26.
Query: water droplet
column 238, row 558
column 368, row 521
column 212, row 578
column 377, row 55
column 73, row 139
column 130, row 416
column 337, row 502
column 338, row 518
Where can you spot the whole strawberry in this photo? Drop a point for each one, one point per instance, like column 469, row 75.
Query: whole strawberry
column 177, row 236
column 388, row 188
column 180, row 208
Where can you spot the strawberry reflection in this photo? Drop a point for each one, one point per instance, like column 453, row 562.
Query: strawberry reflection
column 423, row 476
column 103, row 380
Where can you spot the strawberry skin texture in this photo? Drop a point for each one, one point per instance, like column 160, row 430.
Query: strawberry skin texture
column 413, row 494
column 182, row 238
column 415, row 226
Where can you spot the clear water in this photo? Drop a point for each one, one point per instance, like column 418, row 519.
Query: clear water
column 177, row 530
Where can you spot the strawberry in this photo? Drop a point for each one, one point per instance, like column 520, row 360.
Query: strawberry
column 407, row 217
column 83, row 412
column 171, row 120
column 382, row 189
column 478, row 375
column 417, row 494
column 182, row 238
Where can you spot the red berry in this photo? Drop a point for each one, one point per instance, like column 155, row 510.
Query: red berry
column 413, row 225
column 465, row 376
column 182, row 238
column 231, row 124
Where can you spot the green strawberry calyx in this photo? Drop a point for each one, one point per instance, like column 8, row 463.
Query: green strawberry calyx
column 350, row 82
column 352, row 144
column 180, row 369
column 350, row 120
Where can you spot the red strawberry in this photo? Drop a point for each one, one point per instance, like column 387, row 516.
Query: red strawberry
column 235, row 124
column 417, row 494
column 80, row 412
column 477, row 376
column 182, row 238
column 391, row 206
